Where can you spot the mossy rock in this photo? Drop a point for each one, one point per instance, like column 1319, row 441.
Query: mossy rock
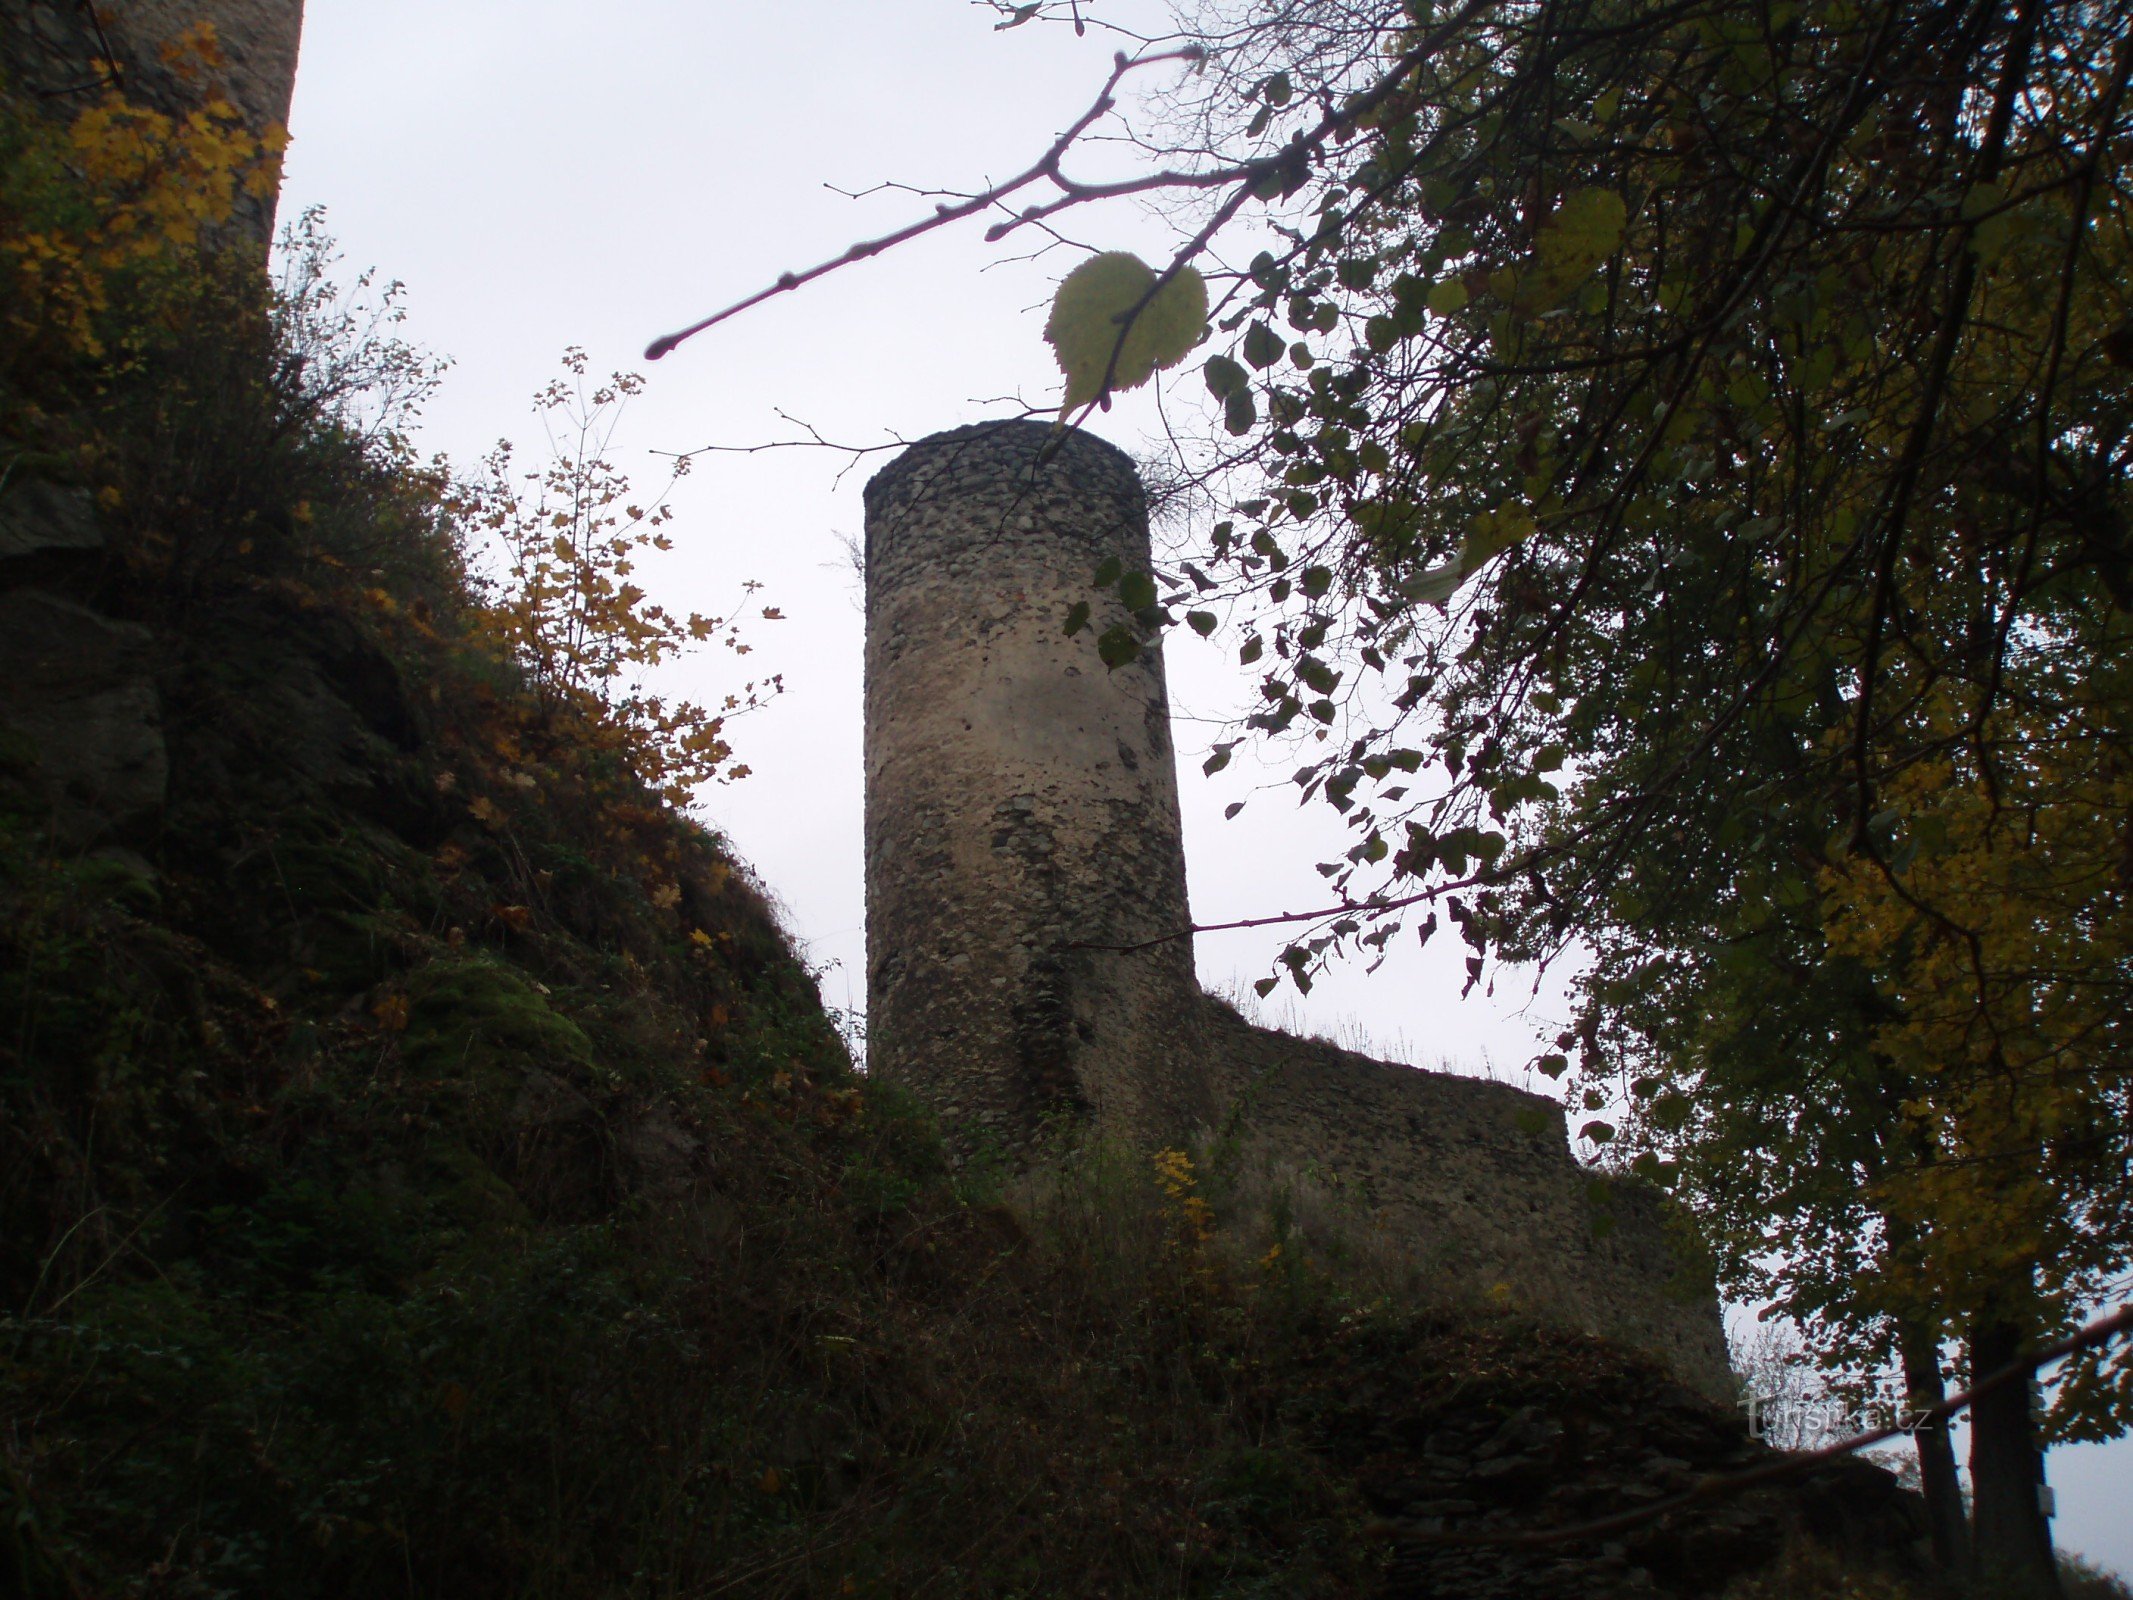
column 473, row 1195
column 320, row 863
column 476, row 1018
column 347, row 891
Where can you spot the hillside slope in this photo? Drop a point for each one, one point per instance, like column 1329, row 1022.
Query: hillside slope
column 425, row 1167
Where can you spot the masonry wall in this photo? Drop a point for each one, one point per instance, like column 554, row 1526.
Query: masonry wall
column 1474, row 1183
column 1025, row 861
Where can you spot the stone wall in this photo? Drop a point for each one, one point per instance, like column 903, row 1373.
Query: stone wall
column 1024, row 865
column 1474, row 1184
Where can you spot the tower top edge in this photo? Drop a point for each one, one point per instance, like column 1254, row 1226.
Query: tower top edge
column 1003, row 450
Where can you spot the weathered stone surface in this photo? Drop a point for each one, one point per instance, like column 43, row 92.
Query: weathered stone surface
column 257, row 40
column 76, row 689
column 1026, row 883
column 1489, row 1429
column 1021, row 801
column 58, row 49
column 40, row 520
column 67, row 54
column 1475, row 1182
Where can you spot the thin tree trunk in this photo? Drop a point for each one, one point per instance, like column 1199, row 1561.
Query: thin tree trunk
column 1936, row 1450
column 2011, row 1541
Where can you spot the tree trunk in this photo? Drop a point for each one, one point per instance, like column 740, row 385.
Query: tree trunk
column 1936, row 1450
column 2011, row 1541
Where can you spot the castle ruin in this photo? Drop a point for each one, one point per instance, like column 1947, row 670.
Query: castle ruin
column 1026, row 904
column 1027, row 953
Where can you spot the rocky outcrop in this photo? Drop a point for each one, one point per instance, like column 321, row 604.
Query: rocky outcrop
column 1479, row 1447
column 42, row 523
column 80, row 707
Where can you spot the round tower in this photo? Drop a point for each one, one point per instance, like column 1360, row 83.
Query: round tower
column 1021, row 799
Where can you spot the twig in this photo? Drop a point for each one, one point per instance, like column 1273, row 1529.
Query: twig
column 1351, row 908
column 1939, row 363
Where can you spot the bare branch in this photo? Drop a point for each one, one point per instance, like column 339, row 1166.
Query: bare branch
column 1046, row 166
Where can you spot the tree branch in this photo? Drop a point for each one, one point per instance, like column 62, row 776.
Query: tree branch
column 1046, row 166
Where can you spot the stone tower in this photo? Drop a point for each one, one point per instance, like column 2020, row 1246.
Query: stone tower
column 66, row 53
column 1021, row 800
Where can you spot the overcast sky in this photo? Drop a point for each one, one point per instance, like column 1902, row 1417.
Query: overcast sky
column 544, row 174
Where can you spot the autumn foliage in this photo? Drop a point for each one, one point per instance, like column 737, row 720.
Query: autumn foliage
column 108, row 216
column 564, row 542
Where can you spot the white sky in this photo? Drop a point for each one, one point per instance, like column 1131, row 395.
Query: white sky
column 544, row 174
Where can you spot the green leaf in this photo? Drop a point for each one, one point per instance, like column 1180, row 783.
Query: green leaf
column 1316, row 581
column 1225, row 378
column 1091, row 334
column 1254, row 648
column 1448, row 297
column 1201, row 622
column 1116, row 646
column 1137, row 591
column 1077, row 617
column 1239, row 413
column 1669, row 1112
column 1584, row 231
column 1597, row 1132
column 1262, row 345
column 1217, row 761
